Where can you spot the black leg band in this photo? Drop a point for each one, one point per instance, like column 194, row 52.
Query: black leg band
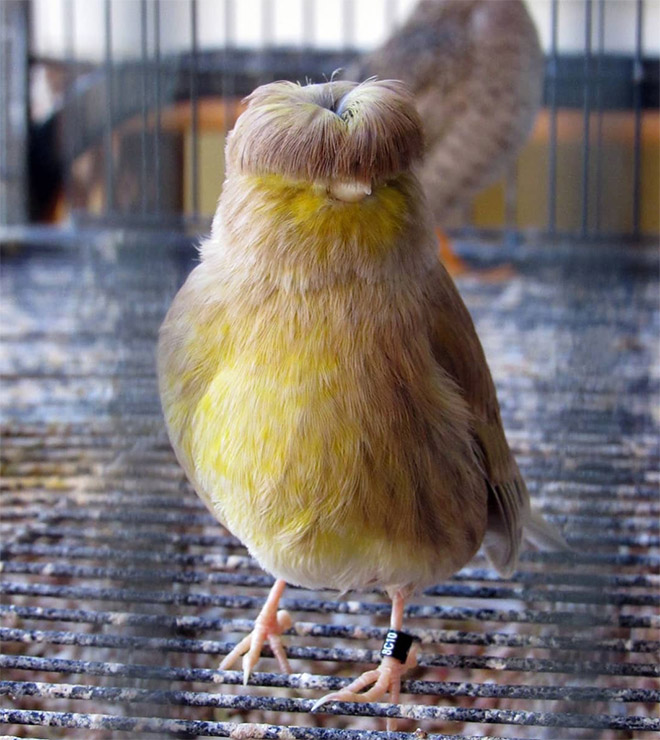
column 397, row 645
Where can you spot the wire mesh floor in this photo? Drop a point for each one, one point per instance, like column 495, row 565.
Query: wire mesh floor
column 120, row 593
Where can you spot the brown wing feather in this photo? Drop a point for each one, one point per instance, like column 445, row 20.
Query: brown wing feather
column 458, row 350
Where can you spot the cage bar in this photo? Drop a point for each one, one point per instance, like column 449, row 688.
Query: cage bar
column 157, row 135
column 638, row 78
column 586, row 115
column 144, row 78
column 109, row 112
column 194, row 106
column 551, row 76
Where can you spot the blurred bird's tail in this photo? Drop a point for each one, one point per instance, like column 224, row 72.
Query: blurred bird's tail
column 542, row 534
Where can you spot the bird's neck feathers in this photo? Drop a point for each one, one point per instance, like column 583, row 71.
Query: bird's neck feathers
column 293, row 233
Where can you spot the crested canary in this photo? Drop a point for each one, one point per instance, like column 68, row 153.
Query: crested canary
column 322, row 382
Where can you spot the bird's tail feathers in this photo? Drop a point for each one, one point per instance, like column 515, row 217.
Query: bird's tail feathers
column 543, row 534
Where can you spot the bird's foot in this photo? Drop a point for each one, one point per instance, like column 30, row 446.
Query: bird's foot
column 387, row 677
column 268, row 627
column 456, row 266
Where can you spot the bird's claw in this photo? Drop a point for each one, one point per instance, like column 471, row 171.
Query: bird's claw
column 387, row 677
column 266, row 627
column 350, row 692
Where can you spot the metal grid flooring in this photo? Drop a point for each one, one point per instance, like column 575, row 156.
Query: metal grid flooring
column 120, row 592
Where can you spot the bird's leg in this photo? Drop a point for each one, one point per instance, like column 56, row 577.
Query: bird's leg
column 387, row 677
column 454, row 264
column 269, row 625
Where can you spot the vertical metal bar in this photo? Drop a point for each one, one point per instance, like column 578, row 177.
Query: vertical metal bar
column 599, row 107
column 586, row 115
column 308, row 13
column 267, row 23
column 511, row 203
column 228, row 80
column 308, row 35
column 266, row 41
column 638, row 78
column 194, row 106
column 391, row 15
column 109, row 112
column 552, row 94
column 5, row 123
column 157, row 126
column 348, row 25
column 144, row 57
column 14, row 111
column 68, row 21
column 70, row 119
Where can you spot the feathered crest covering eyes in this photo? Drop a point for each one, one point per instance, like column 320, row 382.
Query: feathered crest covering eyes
column 337, row 129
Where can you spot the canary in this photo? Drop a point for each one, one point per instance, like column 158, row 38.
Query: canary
column 476, row 70
column 321, row 379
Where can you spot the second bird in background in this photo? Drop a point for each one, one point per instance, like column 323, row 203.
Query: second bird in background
column 475, row 68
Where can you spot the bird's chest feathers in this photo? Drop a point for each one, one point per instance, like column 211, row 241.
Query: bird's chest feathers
column 285, row 433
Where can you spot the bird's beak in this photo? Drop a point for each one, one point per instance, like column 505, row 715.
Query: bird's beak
column 350, row 191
